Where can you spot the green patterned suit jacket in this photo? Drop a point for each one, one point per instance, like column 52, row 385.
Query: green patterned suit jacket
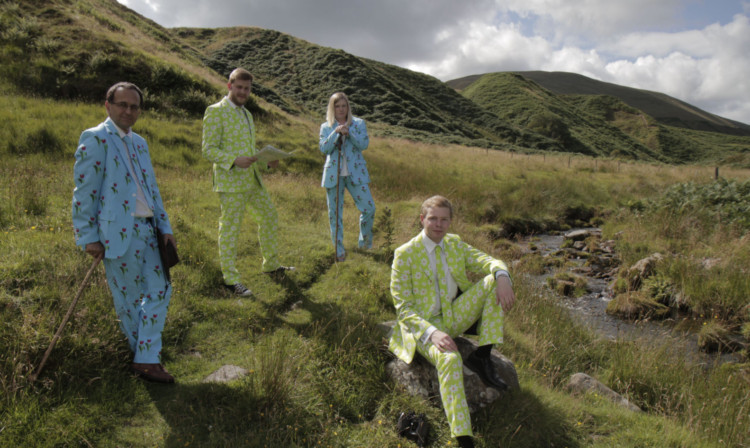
column 226, row 137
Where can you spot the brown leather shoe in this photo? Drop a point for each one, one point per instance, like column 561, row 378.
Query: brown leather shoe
column 152, row 372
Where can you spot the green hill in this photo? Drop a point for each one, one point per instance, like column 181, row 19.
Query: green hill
column 299, row 77
column 662, row 107
column 309, row 342
column 74, row 50
column 603, row 121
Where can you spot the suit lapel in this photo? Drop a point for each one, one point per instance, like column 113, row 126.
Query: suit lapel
column 139, row 175
column 423, row 260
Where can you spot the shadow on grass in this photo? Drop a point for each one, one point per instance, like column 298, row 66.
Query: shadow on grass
column 233, row 414
column 521, row 419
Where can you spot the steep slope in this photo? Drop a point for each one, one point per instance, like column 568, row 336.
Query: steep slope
column 75, row 50
column 664, row 108
column 603, row 124
column 526, row 104
column 299, row 77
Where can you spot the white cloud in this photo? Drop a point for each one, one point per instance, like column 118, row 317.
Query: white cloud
column 648, row 44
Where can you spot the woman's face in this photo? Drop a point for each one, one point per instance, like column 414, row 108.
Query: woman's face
column 341, row 109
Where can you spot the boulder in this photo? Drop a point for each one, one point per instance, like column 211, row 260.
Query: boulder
column 420, row 377
column 581, row 383
column 582, row 234
column 226, row 374
column 643, row 269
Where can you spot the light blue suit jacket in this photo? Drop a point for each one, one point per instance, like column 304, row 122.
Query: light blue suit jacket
column 355, row 143
column 104, row 196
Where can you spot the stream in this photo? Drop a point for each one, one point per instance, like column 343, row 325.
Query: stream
column 590, row 309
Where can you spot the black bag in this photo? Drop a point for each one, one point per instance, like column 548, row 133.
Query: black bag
column 413, row 427
column 167, row 252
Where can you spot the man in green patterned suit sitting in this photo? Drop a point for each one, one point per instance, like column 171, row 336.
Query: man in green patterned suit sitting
column 435, row 301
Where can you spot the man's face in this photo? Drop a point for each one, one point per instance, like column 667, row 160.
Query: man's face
column 124, row 108
column 436, row 222
column 239, row 91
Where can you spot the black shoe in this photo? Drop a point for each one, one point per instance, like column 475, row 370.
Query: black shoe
column 280, row 270
column 239, row 289
column 414, row 427
column 486, row 371
column 465, row 441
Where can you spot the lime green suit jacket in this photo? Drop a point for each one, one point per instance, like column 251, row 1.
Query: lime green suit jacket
column 229, row 132
column 413, row 286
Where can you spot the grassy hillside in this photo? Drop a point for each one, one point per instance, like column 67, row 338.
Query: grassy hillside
column 665, row 109
column 526, row 104
column 76, row 49
column 309, row 342
column 299, row 77
column 601, row 125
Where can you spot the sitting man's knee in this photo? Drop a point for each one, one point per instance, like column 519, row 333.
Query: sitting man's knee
column 450, row 360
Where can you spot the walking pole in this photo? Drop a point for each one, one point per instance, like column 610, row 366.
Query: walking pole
column 65, row 319
column 338, row 179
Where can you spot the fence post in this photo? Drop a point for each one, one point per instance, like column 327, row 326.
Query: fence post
column 716, row 173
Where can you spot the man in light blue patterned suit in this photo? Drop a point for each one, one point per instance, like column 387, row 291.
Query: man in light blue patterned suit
column 116, row 210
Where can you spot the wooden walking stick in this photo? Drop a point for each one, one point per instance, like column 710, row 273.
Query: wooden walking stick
column 338, row 192
column 65, row 319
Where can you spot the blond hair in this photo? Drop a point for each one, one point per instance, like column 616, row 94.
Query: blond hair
column 436, row 201
column 241, row 74
column 331, row 112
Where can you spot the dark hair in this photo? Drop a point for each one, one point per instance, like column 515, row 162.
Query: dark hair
column 241, row 74
column 124, row 85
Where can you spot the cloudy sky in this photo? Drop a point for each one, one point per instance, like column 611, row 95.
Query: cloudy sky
column 695, row 50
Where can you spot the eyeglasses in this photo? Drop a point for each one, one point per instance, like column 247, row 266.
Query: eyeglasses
column 126, row 106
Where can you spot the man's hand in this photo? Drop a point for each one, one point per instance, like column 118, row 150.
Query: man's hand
column 96, row 250
column 504, row 294
column 443, row 342
column 167, row 237
column 244, row 161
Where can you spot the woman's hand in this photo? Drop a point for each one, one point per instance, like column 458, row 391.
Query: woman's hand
column 342, row 129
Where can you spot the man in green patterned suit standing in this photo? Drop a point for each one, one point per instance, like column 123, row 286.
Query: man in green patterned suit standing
column 229, row 142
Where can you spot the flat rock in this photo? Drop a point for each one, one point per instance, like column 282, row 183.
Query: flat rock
column 225, row 374
column 582, row 383
column 420, row 377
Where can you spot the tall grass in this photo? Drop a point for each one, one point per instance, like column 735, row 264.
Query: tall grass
column 309, row 341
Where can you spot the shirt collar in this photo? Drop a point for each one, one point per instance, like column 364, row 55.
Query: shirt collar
column 120, row 132
column 232, row 103
column 431, row 245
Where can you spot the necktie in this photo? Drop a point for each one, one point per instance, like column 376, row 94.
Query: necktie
column 250, row 130
column 139, row 176
column 445, row 303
